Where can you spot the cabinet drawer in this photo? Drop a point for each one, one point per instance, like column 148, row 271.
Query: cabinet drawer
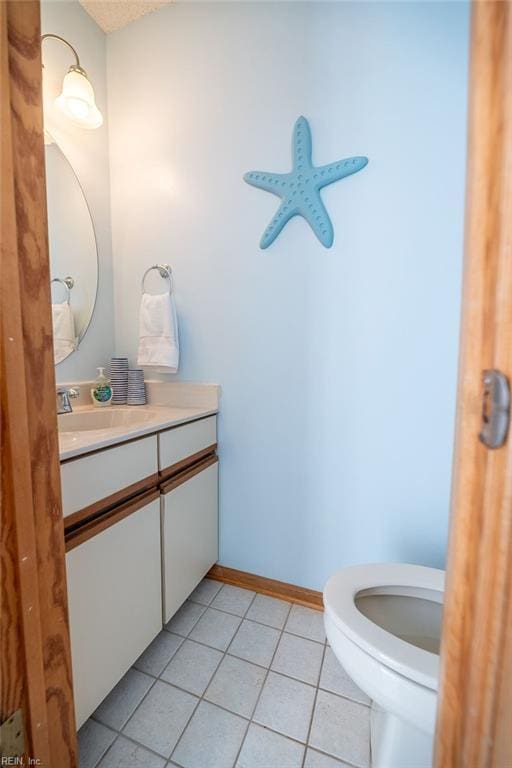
column 181, row 443
column 108, row 476
column 115, row 609
column 190, row 535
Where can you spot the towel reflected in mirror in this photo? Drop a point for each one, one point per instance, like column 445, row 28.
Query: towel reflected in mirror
column 64, row 341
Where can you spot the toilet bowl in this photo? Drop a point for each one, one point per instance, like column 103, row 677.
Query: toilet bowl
column 383, row 623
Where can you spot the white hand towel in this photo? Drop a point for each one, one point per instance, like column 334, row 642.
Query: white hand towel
column 158, row 333
column 63, row 331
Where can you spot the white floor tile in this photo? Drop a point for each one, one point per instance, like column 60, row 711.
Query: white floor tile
column 298, row 657
column 269, row 610
column 212, row 739
column 219, row 646
column 286, row 705
column 315, row 759
column 122, row 700
column 233, row 600
column 93, row 741
column 306, row 622
column 236, row 686
column 161, row 718
column 157, row 655
column 342, row 729
column 255, row 642
column 215, row 628
column 336, row 680
column 265, row 749
column 205, row 591
column 126, row 754
column 184, row 619
column 192, row 667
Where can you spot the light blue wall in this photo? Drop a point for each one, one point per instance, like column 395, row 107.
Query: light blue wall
column 338, row 367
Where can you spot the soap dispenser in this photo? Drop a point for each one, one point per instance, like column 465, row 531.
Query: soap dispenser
column 101, row 393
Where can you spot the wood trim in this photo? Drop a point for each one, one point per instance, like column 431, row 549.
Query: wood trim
column 35, row 652
column 180, row 466
column 104, row 505
column 475, row 697
column 17, row 532
column 183, row 477
column 279, row 589
column 98, row 525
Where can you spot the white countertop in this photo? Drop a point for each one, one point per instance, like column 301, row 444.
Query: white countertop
column 128, row 422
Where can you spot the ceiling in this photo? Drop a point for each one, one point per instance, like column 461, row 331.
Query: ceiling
column 114, row 14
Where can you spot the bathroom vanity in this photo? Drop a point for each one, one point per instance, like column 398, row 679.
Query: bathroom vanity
column 140, row 504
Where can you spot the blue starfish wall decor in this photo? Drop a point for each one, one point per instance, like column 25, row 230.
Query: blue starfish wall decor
column 300, row 189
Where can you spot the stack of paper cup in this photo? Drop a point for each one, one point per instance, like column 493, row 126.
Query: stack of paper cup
column 136, row 387
column 119, row 379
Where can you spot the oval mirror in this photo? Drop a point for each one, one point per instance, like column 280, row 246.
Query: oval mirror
column 73, row 253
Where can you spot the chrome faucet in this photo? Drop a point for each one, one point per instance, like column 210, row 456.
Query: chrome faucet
column 63, row 395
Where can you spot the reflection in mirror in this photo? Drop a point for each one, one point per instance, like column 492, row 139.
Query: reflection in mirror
column 73, row 253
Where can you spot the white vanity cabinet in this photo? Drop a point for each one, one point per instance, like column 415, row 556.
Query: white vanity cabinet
column 189, row 532
column 141, row 531
column 114, row 597
column 181, row 446
column 105, row 477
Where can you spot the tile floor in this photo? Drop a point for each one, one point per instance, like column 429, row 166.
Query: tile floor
column 235, row 680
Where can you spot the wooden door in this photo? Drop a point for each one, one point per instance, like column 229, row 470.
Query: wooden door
column 474, row 728
column 35, row 657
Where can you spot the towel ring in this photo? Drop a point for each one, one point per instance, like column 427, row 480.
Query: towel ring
column 164, row 271
column 68, row 282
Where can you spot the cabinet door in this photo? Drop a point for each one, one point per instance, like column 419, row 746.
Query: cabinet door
column 180, row 443
column 117, row 473
column 115, row 608
column 190, row 536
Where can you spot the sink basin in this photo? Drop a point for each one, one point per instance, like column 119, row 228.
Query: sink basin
column 108, row 418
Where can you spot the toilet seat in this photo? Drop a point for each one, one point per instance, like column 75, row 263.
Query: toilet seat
column 399, row 655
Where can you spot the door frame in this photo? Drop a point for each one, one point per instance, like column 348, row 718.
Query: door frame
column 475, row 694
column 35, row 657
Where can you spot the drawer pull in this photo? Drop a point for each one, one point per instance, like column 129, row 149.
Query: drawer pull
column 180, row 466
column 104, row 505
column 182, row 477
column 76, row 536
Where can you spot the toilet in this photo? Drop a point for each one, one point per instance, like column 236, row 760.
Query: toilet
column 383, row 622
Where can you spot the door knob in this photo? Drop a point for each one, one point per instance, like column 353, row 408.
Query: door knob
column 495, row 409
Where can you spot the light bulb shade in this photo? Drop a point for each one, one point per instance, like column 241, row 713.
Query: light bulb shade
column 77, row 100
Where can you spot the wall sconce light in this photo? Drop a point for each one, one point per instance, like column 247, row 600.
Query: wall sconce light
column 77, row 98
